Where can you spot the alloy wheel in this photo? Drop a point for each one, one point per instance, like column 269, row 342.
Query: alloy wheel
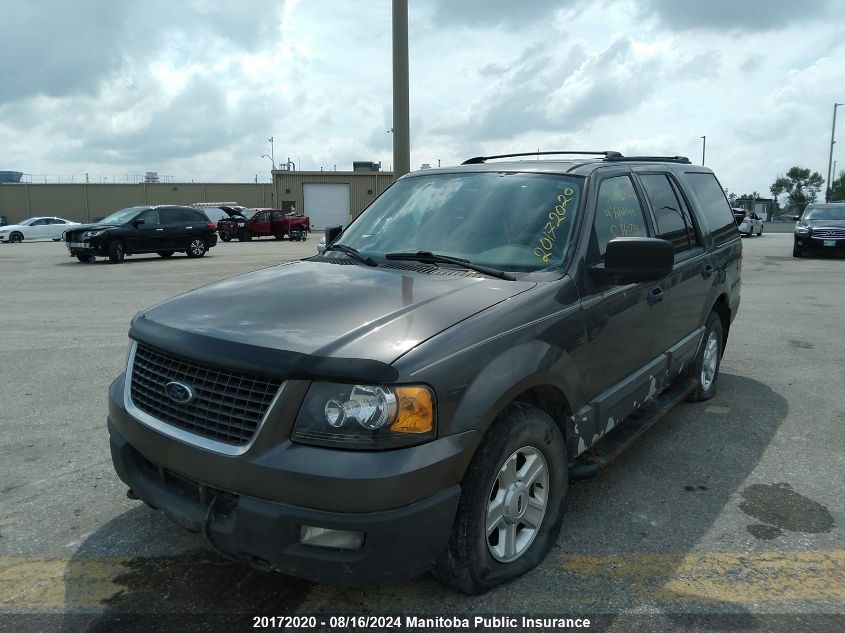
column 517, row 504
column 710, row 361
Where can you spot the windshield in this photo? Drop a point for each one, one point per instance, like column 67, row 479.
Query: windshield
column 27, row 222
column 122, row 216
column 832, row 212
column 509, row 221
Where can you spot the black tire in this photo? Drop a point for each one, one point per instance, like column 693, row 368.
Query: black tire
column 796, row 252
column 16, row 237
column 196, row 247
column 166, row 254
column 86, row 259
column 279, row 237
column 244, row 235
column 712, row 327
column 225, row 236
column 467, row 565
column 760, row 232
column 116, row 252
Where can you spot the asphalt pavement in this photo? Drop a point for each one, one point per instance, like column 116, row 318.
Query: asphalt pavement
column 730, row 511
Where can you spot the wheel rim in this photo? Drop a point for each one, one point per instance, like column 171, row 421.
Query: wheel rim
column 517, row 504
column 119, row 250
column 709, row 361
column 197, row 247
column 16, row 238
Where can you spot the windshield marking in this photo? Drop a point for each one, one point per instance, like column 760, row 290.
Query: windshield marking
column 557, row 217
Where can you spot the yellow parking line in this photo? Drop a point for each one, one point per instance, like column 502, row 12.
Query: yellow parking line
column 769, row 577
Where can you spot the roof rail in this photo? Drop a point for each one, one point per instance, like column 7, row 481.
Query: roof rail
column 480, row 159
column 652, row 159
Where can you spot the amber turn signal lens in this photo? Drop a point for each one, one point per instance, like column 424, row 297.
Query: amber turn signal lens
column 416, row 410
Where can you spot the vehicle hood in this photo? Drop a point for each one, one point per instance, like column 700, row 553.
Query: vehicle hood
column 89, row 227
column 233, row 213
column 819, row 224
column 330, row 310
column 11, row 227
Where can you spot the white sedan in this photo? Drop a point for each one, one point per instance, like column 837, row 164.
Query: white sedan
column 35, row 229
column 751, row 224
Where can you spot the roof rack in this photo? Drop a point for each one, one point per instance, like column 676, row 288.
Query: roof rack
column 652, row 159
column 480, row 159
column 608, row 155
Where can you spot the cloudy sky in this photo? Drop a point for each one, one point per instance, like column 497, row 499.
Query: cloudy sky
column 194, row 89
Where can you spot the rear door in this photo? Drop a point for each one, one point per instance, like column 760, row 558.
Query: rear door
column 692, row 274
column 620, row 319
column 277, row 223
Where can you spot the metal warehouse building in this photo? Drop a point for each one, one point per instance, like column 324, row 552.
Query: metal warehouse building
column 328, row 197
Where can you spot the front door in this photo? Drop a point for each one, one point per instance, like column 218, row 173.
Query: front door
column 147, row 236
column 277, row 223
column 260, row 223
column 619, row 319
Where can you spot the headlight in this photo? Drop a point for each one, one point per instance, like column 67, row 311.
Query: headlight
column 365, row 416
column 802, row 229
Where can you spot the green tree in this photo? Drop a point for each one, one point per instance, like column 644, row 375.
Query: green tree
column 800, row 186
column 837, row 188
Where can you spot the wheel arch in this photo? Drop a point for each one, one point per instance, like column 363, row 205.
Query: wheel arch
column 723, row 309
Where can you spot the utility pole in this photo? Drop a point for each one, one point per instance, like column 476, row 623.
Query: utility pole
column 401, row 118
column 703, row 147
column 272, row 155
column 830, row 159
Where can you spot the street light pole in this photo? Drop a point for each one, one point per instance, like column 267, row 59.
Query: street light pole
column 830, row 159
column 401, row 118
column 272, row 155
column 703, row 147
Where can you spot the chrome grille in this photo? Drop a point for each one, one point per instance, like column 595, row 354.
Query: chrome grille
column 829, row 233
column 228, row 406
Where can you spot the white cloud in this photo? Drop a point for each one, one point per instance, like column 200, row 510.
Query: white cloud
column 194, row 90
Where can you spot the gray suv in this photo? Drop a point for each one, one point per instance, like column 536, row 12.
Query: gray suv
column 419, row 396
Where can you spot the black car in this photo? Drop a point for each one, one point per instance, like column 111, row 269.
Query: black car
column 3, row 220
column 821, row 228
column 420, row 395
column 151, row 229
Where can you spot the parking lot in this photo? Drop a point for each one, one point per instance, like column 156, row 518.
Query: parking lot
column 732, row 506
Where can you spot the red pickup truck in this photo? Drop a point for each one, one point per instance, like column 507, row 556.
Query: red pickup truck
column 244, row 225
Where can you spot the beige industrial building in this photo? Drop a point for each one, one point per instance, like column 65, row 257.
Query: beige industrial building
column 327, row 197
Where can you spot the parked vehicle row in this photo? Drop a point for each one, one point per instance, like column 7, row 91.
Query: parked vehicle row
column 148, row 229
column 37, row 228
column 419, row 395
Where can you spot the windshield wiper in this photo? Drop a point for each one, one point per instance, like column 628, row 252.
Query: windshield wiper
column 429, row 257
column 351, row 252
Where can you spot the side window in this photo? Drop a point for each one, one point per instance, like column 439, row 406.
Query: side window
column 618, row 214
column 197, row 216
column 277, row 215
column 171, row 216
column 673, row 221
column 41, row 222
column 714, row 205
column 264, row 216
column 150, row 218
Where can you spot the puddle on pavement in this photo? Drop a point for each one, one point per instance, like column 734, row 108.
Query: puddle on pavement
column 800, row 344
column 202, row 582
column 778, row 507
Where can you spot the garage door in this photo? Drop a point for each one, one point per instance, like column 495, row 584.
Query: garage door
column 326, row 205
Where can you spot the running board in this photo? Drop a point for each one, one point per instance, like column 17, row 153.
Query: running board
column 632, row 428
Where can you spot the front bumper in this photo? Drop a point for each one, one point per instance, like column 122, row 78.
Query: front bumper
column 397, row 544
column 404, row 500
column 808, row 243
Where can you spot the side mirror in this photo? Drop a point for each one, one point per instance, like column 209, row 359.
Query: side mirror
column 332, row 233
column 138, row 222
column 635, row 259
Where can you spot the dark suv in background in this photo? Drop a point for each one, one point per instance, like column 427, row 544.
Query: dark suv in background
column 158, row 229
column 419, row 395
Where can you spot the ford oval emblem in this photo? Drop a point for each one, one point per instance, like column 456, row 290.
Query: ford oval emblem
column 179, row 392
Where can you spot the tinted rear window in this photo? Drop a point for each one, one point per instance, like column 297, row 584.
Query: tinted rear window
column 714, row 205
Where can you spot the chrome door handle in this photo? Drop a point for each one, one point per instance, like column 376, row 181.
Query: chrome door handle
column 159, row 229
